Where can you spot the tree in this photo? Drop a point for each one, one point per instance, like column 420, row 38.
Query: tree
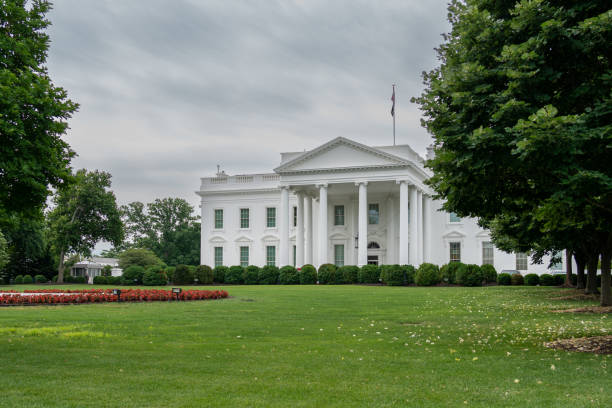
column 85, row 212
column 520, row 113
column 33, row 112
column 4, row 256
column 138, row 256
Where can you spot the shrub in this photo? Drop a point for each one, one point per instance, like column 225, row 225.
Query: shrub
column 288, row 275
column 205, row 275
column 233, row 276
column 182, row 275
column 504, row 279
column 369, row 274
column 268, row 275
column 2, row 280
column 155, row 268
column 308, row 275
column 40, row 279
column 469, row 275
column 489, row 273
column 517, row 279
column 114, row 280
column 138, row 256
column 427, row 275
column 409, row 273
column 449, row 272
column 153, row 278
column 558, row 280
column 250, row 275
column 79, row 279
column 100, row 280
column 27, row 279
column 547, row 280
column 219, row 274
column 348, row 273
column 327, row 274
column 54, row 279
column 132, row 275
column 574, row 279
column 170, row 272
column 69, row 279
column 107, row 270
column 18, row 279
column 392, row 275
column 532, row 279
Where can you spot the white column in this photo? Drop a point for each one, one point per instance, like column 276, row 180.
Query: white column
column 413, row 227
column 322, row 224
column 403, row 224
column 308, row 230
column 362, row 242
column 427, row 228
column 420, row 226
column 299, row 232
column 204, row 225
column 391, row 225
column 284, row 228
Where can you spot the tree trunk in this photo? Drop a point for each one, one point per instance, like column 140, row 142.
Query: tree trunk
column 60, row 268
column 568, row 269
column 606, row 279
column 580, row 265
column 591, row 284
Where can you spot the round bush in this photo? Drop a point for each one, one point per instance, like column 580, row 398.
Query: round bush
column 489, row 273
column 547, row 280
column 183, row 275
column 469, row 275
column 409, row 273
column 69, row 279
column 532, row 279
column 155, row 268
column 288, row 275
column 348, row 273
column 40, row 279
column 308, row 275
column 517, row 279
column 250, row 275
column 327, row 274
column 219, row 273
column 205, row 275
column 18, row 279
column 504, row 279
column 268, row 275
column 233, row 276
column 392, row 275
column 558, row 280
column 427, row 275
column 54, row 279
column 132, row 275
column 449, row 272
column 100, row 280
column 170, row 272
column 114, row 280
column 152, row 278
column 79, row 279
column 27, row 279
column 574, row 279
column 369, row 274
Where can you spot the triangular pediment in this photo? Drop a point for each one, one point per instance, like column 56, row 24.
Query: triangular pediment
column 341, row 153
column 454, row 234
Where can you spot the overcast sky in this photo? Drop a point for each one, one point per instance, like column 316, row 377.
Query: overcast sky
column 169, row 89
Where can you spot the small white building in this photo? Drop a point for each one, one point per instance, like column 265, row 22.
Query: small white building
column 344, row 203
column 92, row 266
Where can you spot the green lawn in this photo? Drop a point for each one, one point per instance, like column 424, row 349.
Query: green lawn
column 316, row 346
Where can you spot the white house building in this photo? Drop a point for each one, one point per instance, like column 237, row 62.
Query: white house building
column 344, row 203
column 92, row 266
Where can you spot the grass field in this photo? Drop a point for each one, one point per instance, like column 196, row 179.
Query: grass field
column 316, row 346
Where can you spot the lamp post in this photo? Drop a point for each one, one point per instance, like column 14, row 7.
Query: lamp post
column 177, row 292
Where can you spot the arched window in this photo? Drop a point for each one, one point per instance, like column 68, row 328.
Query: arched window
column 373, row 245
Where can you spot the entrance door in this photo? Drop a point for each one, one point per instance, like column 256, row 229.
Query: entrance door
column 372, row 259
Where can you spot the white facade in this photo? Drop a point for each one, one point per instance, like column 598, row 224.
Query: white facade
column 91, row 267
column 343, row 203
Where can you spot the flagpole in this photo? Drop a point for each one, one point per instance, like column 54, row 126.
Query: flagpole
column 394, row 113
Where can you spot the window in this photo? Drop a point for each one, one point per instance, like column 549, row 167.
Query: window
column 373, row 245
column 521, row 261
column 454, row 218
column 339, row 255
column 271, row 217
column 218, row 219
column 244, row 218
column 295, row 216
column 339, row 215
column 218, row 256
column 373, row 214
column 244, row 256
column 294, row 256
column 455, row 251
column 487, row 253
column 271, row 255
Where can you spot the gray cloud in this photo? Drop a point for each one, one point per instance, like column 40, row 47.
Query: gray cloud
column 168, row 89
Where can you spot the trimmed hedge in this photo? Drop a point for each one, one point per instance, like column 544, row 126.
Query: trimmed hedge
column 517, row 279
column 219, row 273
column 250, row 275
column 532, row 279
column 268, row 275
column 327, row 274
column 78, row 279
column 409, row 273
column 132, row 275
column 308, row 275
column 369, row 274
column 547, row 280
column 427, row 275
column 153, row 278
column 349, row 273
column 27, row 279
column 449, row 272
column 204, row 273
column 40, row 279
column 170, row 273
column 113, row 280
column 234, row 275
column 288, row 275
column 18, row 279
column 489, row 274
column 183, row 275
column 470, row 275
column 504, row 279
column 559, row 279
column 100, row 280
column 392, row 275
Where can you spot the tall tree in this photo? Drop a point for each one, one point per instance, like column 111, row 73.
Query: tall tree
column 520, row 110
column 33, row 112
column 85, row 212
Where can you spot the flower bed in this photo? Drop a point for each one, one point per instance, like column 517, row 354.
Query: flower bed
column 58, row 296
